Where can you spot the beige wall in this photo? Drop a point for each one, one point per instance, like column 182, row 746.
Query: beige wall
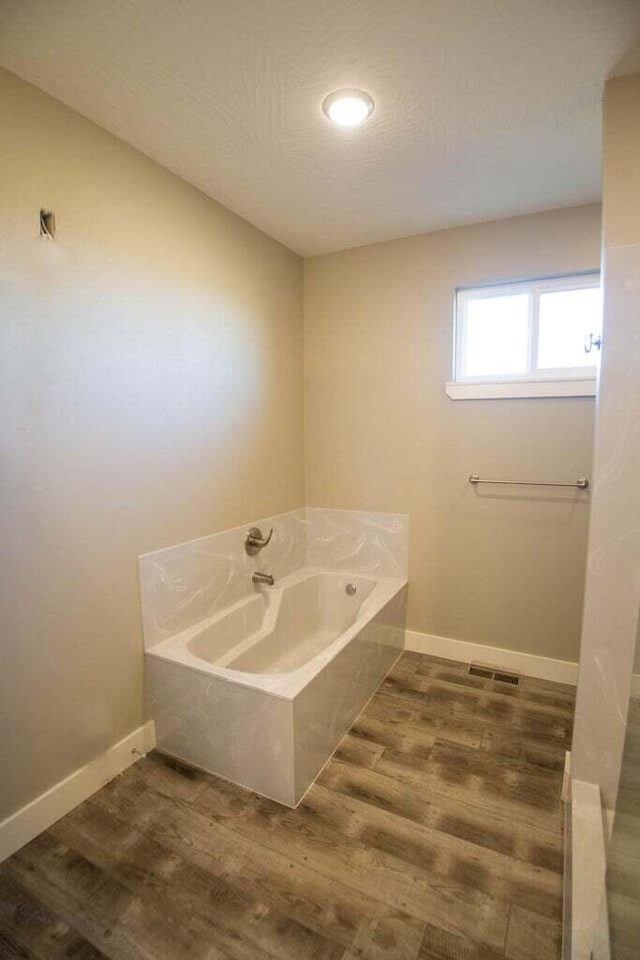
column 612, row 598
column 151, row 392
column 498, row 567
column 621, row 175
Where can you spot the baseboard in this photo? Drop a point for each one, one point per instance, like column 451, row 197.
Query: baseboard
column 26, row 823
column 527, row 664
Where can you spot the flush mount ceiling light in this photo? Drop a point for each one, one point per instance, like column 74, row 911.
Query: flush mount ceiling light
column 348, row 108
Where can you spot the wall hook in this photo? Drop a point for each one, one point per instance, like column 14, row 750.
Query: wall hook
column 47, row 224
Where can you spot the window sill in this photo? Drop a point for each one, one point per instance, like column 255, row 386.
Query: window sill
column 522, row 389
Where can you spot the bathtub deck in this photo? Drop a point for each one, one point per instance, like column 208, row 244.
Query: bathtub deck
column 435, row 833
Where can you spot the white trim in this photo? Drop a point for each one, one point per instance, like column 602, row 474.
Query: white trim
column 519, row 389
column 567, row 879
column 566, row 778
column 25, row 824
column 463, row 651
column 589, row 928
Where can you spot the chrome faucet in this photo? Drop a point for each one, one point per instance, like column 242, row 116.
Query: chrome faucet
column 262, row 578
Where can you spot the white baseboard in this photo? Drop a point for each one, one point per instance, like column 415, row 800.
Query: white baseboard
column 26, row 823
column 527, row 664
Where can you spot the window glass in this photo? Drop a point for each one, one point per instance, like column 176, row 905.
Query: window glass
column 496, row 338
column 567, row 317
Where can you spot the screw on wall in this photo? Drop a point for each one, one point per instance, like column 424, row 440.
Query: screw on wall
column 47, row 224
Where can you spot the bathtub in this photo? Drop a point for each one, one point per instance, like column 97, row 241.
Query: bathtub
column 262, row 691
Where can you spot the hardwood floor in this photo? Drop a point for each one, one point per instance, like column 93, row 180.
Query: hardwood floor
column 623, row 857
column 434, row 833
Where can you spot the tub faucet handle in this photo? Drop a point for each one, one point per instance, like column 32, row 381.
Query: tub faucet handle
column 254, row 541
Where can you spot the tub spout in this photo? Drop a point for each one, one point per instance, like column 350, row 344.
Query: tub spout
column 263, row 578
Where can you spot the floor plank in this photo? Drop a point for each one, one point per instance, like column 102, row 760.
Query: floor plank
column 239, row 924
column 99, row 909
column 434, row 833
column 445, row 857
column 312, row 839
column 322, row 903
column 532, row 936
column 37, row 931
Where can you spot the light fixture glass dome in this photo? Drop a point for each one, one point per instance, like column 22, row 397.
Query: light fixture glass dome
column 348, row 108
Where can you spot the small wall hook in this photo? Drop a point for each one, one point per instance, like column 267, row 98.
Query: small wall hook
column 47, row 224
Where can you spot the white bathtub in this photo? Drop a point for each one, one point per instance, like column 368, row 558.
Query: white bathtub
column 262, row 691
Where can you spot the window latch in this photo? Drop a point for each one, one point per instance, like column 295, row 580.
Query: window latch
column 593, row 342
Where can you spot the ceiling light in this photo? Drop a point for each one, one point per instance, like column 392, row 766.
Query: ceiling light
column 348, row 108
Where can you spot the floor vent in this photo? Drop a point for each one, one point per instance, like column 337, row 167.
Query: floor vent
column 488, row 674
column 507, row 678
column 481, row 672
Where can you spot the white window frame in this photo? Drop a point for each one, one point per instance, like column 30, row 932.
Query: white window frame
column 536, row 382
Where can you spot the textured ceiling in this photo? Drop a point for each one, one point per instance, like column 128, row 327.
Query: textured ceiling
column 484, row 108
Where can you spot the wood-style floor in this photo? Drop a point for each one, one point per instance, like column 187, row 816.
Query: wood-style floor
column 623, row 858
column 435, row 833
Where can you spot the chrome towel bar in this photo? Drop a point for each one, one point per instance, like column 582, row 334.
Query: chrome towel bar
column 581, row 483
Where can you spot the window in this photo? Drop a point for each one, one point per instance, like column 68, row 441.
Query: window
column 532, row 338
